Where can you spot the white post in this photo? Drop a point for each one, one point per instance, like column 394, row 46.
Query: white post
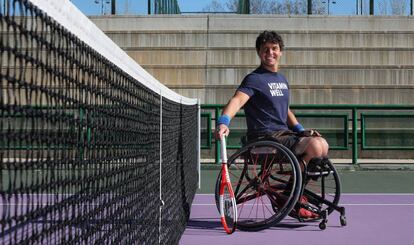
column 199, row 143
column 161, row 201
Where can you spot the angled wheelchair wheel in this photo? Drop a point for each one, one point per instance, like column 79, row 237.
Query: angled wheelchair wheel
column 266, row 180
column 323, row 188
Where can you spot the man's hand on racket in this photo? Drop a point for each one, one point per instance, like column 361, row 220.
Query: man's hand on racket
column 221, row 130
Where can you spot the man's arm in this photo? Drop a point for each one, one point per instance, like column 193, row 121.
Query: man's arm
column 293, row 124
column 235, row 103
column 230, row 110
column 291, row 119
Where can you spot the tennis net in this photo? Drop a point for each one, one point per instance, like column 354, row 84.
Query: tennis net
column 93, row 149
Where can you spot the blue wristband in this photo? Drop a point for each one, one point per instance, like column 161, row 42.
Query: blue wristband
column 298, row 128
column 224, row 119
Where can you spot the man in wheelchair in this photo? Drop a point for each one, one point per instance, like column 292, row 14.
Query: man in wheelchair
column 264, row 95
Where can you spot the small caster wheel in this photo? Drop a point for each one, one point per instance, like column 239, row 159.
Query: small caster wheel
column 322, row 225
column 343, row 220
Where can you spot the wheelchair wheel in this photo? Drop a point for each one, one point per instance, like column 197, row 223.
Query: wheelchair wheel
column 266, row 180
column 323, row 190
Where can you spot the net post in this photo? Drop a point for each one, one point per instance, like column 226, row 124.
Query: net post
column 160, row 168
column 199, row 143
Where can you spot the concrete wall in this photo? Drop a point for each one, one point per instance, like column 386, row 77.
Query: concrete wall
column 328, row 60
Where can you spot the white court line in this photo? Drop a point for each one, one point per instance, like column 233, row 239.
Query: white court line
column 378, row 204
column 48, row 205
column 342, row 204
column 348, row 194
column 212, row 194
column 345, row 204
column 377, row 194
column 207, row 204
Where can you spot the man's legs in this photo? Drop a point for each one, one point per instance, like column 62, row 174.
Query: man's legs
column 310, row 148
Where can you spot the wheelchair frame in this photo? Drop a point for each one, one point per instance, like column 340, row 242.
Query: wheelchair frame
column 269, row 183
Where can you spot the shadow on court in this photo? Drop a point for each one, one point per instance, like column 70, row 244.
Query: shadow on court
column 208, row 224
column 203, row 224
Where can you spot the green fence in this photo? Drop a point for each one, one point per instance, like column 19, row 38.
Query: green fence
column 346, row 127
column 353, row 128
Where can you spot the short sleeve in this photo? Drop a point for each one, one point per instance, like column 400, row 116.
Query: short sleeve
column 248, row 85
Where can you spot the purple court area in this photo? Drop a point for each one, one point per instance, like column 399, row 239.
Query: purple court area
column 372, row 219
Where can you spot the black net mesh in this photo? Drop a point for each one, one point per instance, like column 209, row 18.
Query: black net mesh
column 80, row 143
column 177, row 168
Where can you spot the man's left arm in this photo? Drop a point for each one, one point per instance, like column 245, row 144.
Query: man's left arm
column 292, row 122
column 295, row 126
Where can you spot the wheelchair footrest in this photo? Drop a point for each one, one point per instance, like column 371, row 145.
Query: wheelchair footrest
column 318, row 167
column 319, row 173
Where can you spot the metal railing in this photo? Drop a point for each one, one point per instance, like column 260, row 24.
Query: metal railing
column 281, row 7
column 346, row 127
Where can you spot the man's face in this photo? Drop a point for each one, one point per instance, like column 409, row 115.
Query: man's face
column 269, row 54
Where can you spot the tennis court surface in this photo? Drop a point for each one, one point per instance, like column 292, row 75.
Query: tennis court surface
column 372, row 218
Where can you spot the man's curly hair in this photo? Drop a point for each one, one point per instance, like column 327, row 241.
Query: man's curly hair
column 269, row 36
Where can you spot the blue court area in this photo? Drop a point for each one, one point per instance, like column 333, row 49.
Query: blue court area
column 373, row 218
column 378, row 205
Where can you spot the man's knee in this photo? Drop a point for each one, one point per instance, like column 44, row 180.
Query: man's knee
column 315, row 146
column 323, row 144
column 312, row 147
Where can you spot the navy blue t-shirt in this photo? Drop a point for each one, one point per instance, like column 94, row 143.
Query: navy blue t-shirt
column 267, row 108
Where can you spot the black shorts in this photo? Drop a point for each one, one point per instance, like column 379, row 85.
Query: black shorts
column 287, row 138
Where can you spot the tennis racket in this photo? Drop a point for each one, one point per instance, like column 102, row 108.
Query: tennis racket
column 228, row 208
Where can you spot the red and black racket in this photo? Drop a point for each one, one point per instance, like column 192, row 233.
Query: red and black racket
column 228, row 208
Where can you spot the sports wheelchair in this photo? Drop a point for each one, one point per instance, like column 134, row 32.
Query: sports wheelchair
column 269, row 183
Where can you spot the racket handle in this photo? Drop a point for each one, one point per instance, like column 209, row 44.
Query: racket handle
column 223, row 149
